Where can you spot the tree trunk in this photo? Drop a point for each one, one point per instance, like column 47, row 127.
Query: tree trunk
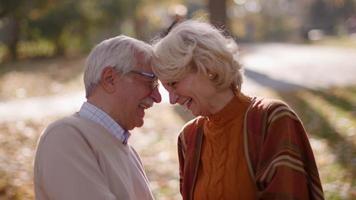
column 13, row 37
column 139, row 27
column 217, row 10
column 59, row 47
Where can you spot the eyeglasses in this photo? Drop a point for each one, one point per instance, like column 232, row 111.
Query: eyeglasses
column 145, row 74
column 153, row 78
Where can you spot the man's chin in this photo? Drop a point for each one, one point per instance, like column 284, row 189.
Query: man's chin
column 139, row 123
column 136, row 124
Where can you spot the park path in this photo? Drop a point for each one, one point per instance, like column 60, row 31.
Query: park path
column 292, row 66
column 267, row 66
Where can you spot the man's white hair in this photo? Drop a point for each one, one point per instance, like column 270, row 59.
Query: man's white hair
column 199, row 47
column 121, row 52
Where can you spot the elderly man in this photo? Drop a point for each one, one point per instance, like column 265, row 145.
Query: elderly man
column 87, row 155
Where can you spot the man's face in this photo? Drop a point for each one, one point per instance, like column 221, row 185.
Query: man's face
column 137, row 91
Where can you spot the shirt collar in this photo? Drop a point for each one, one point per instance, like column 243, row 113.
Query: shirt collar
column 95, row 114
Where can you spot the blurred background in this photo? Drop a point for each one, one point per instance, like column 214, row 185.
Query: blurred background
column 300, row 51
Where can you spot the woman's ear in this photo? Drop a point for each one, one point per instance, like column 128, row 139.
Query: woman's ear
column 211, row 76
column 107, row 79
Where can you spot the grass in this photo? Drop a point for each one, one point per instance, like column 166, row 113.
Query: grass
column 40, row 77
column 30, row 49
column 341, row 41
column 17, row 141
column 328, row 115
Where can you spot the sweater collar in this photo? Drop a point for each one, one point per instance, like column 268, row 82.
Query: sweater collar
column 231, row 110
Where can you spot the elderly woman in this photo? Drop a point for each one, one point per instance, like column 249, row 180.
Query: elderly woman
column 237, row 147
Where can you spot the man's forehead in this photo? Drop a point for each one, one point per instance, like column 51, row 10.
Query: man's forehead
column 141, row 66
column 143, row 58
column 143, row 63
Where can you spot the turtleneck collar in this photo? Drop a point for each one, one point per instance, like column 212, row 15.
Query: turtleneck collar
column 231, row 110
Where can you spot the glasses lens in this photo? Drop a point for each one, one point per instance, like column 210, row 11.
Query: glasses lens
column 154, row 81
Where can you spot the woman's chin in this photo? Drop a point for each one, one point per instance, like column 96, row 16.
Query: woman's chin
column 197, row 113
column 193, row 112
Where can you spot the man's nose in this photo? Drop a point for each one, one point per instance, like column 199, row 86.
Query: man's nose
column 156, row 96
column 173, row 97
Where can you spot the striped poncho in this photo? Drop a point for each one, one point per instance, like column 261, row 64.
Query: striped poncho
column 276, row 148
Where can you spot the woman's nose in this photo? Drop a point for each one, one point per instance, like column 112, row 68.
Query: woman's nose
column 173, row 97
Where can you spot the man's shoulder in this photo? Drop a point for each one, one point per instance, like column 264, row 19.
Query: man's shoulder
column 75, row 128
column 64, row 127
column 71, row 120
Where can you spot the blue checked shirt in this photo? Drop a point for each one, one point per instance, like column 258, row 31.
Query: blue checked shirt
column 95, row 114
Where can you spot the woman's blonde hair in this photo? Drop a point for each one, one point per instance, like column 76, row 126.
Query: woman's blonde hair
column 194, row 46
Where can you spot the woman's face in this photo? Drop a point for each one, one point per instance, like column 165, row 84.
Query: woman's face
column 194, row 91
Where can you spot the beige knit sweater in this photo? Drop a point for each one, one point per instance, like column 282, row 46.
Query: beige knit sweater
column 78, row 159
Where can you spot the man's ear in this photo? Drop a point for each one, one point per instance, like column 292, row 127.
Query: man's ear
column 107, row 79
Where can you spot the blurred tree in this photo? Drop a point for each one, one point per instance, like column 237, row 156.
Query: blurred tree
column 327, row 15
column 53, row 22
column 13, row 15
column 277, row 19
column 286, row 19
column 274, row 20
column 67, row 24
column 66, row 20
column 151, row 16
column 217, row 11
column 322, row 16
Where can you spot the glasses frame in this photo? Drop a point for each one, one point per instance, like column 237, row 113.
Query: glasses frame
column 145, row 74
column 151, row 76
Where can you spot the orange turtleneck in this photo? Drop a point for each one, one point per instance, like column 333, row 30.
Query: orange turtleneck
column 223, row 171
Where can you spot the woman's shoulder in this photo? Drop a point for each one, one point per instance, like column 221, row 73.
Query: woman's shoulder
column 261, row 106
column 267, row 110
column 193, row 123
column 267, row 103
column 188, row 133
column 191, row 126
